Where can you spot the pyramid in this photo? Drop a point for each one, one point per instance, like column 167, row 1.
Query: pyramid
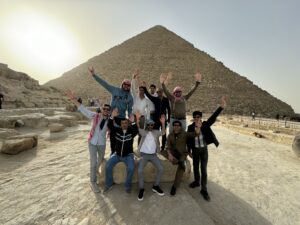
column 159, row 50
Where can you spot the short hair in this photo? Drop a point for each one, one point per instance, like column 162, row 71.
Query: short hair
column 177, row 121
column 153, row 85
column 197, row 113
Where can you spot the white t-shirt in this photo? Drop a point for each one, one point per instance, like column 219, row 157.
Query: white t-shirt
column 149, row 146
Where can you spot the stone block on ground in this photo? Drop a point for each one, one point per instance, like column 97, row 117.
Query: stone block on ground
column 5, row 133
column 119, row 171
column 56, row 127
column 29, row 135
column 14, row 146
column 66, row 120
column 8, row 122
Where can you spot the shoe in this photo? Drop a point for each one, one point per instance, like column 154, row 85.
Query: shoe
column 94, row 187
column 157, row 190
column 106, row 189
column 194, row 184
column 205, row 195
column 173, row 191
column 141, row 194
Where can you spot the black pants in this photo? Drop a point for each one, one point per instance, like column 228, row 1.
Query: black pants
column 200, row 155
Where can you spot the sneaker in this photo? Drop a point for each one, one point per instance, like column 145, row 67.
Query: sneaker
column 205, row 195
column 94, row 187
column 157, row 190
column 141, row 194
column 194, row 184
column 173, row 191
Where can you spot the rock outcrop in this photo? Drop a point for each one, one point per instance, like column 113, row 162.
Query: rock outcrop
column 159, row 50
column 21, row 91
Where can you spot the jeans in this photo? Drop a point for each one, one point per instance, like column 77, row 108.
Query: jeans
column 96, row 157
column 145, row 158
column 113, row 160
column 200, row 155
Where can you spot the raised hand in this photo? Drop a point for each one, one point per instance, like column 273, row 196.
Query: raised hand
column 223, row 101
column 135, row 74
column 198, row 76
column 92, row 70
column 71, row 95
column 169, row 77
column 131, row 118
column 115, row 112
column 162, row 78
column 162, row 119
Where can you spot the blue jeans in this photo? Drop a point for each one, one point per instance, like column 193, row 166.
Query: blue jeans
column 113, row 160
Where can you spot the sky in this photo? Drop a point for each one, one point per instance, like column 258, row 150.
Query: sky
column 258, row 39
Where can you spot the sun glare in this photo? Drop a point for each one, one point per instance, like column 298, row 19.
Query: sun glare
column 40, row 42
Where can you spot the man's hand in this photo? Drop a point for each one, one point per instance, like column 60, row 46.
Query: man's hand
column 170, row 157
column 92, row 70
column 223, row 102
column 115, row 113
column 131, row 118
column 198, row 77
column 135, row 74
column 162, row 119
column 162, row 78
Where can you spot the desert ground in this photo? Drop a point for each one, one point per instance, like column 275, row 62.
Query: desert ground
column 251, row 181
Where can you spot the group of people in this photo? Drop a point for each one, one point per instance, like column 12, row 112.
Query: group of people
column 135, row 111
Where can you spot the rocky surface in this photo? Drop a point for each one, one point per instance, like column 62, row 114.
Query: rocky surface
column 159, row 50
column 20, row 90
column 247, row 177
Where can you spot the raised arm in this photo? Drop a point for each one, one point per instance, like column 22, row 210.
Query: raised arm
column 113, row 114
column 102, row 82
column 212, row 119
column 134, row 83
column 198, row 78
column 162, row 120
column 163, row 79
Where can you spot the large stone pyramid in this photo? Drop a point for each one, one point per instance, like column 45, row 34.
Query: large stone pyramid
column 159, row 50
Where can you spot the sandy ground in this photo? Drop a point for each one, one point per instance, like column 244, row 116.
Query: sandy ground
column 251, row 181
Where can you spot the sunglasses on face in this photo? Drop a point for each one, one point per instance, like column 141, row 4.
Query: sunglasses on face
column 151, row 124
column 128, row 85
column 176, row 92
column 106, row 109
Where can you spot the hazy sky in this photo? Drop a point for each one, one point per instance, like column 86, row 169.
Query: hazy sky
column 258, row 39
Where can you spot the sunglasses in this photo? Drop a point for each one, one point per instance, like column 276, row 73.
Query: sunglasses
column 127, row 84
column 151, row 124
column 177, row 92
column 107, row 109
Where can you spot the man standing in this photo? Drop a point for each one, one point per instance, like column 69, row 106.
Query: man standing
column 198, row 146
column 121, row 99
column 148, row 148
column 152, row 90
column 123, row 152
column 162, row 107
column 1, row 99
column 177, row 150
column 178, row 101
column 96, row 138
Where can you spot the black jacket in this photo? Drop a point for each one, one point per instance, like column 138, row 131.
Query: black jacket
column 123, row 141
column 206, row 131
column 161, row 106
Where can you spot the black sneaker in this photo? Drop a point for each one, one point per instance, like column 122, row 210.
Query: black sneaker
column 194, row 184
column 205, row 195
column 141, row 194
column 173, row 191
column 157, row 190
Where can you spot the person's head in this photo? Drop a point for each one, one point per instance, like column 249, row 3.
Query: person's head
column 177, row 92
column 141, row 92
column 106, row 109
column 152, row 89
column 150, row 124
column 126, row 84
column 124, row 124
column 197, row 116
column 177, row 126
column 160, row 92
